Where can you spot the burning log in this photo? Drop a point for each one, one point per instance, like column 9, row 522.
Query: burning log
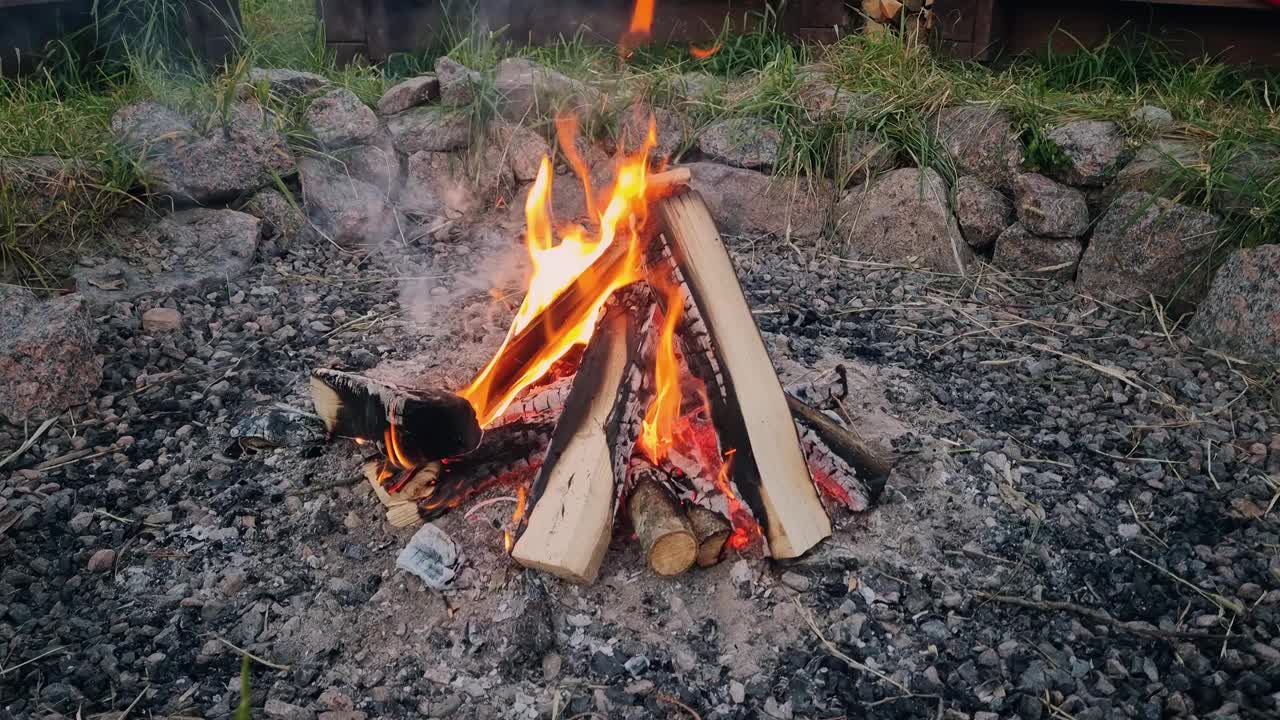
column 748, row 407
column 421, row 494
column 871, row 464
column 518, row 363
column 665, row 533
column 416, row 426
column 573, row 500
column 712, row 530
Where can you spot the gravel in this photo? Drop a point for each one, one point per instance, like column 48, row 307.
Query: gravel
column 1031, row 424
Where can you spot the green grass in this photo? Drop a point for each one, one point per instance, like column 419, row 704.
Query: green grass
column 64, row 109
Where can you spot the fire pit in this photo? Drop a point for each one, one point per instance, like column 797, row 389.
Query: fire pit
column 672, row 411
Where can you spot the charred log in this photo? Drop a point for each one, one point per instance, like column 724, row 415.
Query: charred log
column 724, row 349
column 870, row 463
column 509, row 454
column 415, row 426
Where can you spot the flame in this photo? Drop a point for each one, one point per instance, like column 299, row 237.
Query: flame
column 558, row 265
column 704, row 53
column 394, row 452
column 640, row 28
column 641, row 17
column 657, row 429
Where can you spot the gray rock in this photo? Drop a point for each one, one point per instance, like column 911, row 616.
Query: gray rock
column 742, row 142
column 796, row 581
column 1020, row 251
column 522, row 147
column 453, row 184
column 823, row 101
column 457, row 82
column 849, row 630
column 527, row 89
column 430, row 129
column 1246, row 175
column 101, row 560
column 278, row 710
column 1156, row 168
column 748, row 203
column 343, row 209
column 287, row 84
column 904, row 216
column 47, row 360
column 1153, row 117
column 637, row 665
column 409, row 93
column 737, row 692
column 981, row 142
column 161, row 319
column 282, row 220
column 861, row 156
column 1145, row 244
column 1048, row 208
column 187, row 251
column 238, row 154
column 1095, row 150
column 670, row 127
column 982, row 211
column 1240, row 315
column 375, row 165
column 338, row 118
column 695, row 87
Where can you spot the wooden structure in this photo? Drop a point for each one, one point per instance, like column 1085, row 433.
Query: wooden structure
column 28, row 26
column 377, row 29
column 1235, row 31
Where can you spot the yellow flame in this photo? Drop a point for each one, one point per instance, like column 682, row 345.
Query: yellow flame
column 557, row 265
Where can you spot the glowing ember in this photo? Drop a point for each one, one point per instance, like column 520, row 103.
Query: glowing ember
column 704, row 53
column 557, row 265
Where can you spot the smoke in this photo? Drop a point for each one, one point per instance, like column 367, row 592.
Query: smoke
column 500, row 274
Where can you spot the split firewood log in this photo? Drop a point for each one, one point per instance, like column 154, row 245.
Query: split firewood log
column 572, row 501
column 666, row 535
column 723, row 348
column 712, row 531
column 415, row 426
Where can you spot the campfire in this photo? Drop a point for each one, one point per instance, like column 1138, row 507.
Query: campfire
column 633, row 382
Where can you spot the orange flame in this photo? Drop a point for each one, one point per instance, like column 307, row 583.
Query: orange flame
column 394, row 452
column 704, row 53
column 556, row 266
column 641, row 18
column 640, row 28
column 657, row 429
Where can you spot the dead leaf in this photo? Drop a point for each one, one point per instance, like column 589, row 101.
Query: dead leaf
column 1247, row 508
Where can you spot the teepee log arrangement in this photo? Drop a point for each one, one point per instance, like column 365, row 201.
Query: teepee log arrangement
column 766, row 461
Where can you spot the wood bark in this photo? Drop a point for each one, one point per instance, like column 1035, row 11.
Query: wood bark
column 415, row 426
column 666, row 537
column 712, row 530
column 724, row 349
column 574, row 497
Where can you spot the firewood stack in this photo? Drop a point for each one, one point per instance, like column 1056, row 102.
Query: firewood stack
column 574, row 443
column 913, row 19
